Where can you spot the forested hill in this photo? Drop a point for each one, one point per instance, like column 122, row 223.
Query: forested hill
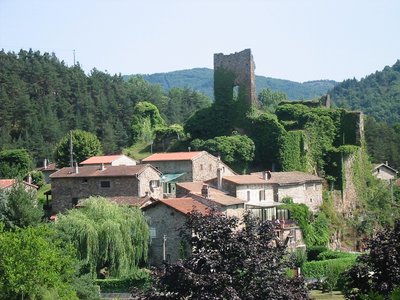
column 201, row 79
column 377, row 95
column 41, row 99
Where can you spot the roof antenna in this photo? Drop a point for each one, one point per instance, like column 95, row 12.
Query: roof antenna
column 71, row 157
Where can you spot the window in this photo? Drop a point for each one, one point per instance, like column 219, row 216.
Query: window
column 262, row 195
column 84, row 181
column 75, row 201
column 248, row 195
column 154, row 183
column 105, row 184
column 210, row 167
column 201, row 167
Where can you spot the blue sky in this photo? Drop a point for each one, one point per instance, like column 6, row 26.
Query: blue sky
column 298, row 40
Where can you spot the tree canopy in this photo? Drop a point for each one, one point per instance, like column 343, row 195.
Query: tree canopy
column 145, row 120
column 84, row 145
column 377, row 272
column 14, row 163
column 106, row 236
column 33, row 265
column 42, row 99
column 235, row 150
column 230, row 262
column 19, row 207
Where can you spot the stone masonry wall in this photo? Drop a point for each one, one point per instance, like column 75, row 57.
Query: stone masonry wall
column 242, row 65
column 65, row 189
column 164, row 220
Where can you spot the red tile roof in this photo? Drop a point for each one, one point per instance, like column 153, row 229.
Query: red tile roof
column 182, row 205
column 294, row 177
column 5, row 183
column 106, row 159
column 173, row 156
column 245, row 179
column 50, row 167
column 281, row 178
column 220, row 197
column 95, row 171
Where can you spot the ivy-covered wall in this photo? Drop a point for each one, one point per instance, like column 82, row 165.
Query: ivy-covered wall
column 291, row 153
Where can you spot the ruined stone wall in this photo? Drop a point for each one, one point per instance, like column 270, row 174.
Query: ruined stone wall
column 242, row 65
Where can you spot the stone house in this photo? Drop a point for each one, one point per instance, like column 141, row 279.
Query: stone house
column 259, row 189
column 166, row 218
column 211, row 197
column 7, row 184
column 69, row 185
column 109, row 160
column 47, row 169
column 186, row 167
column 384, row 172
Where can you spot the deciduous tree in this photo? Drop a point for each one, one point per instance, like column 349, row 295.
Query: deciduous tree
column 106, row 236
column 84, row 145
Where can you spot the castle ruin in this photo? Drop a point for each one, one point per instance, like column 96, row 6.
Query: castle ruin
column 241, row 64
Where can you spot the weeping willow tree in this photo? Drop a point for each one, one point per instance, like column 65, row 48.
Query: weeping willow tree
column 107, row 235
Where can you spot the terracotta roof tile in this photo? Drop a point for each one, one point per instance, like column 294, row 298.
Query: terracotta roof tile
column 95, row 171
column 172, row 156
column 294, row 177
column 50, row 167
column 245, row 179
column 182, row 205
column 106, row 159
column 282, row 178
column 5, row 183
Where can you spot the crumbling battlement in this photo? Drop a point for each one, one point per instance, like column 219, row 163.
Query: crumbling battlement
column 241, row 64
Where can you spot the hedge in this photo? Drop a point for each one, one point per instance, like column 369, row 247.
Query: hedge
column 323, row 268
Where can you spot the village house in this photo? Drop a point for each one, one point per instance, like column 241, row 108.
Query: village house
column 69, row 185
column 166, row 218
column 186, row 167
column 384, row 172
column 8, row 184
column 109, row 160
column 47, row 169
column 259, row 189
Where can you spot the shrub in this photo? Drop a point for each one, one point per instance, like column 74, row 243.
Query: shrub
column 139, row 279
column 314, row 251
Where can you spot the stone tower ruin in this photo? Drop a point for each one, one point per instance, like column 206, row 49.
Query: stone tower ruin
column 241, row 64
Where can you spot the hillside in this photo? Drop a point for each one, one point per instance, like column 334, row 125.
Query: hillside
column 41, row 99
column 201, row 79
column 377, row 95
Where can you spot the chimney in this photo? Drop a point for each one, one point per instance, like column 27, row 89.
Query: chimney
column 219, row 173
column 267, row 175
column 205, row 191
column 45, row 163
column 76, row 168
column 386, row 163
column 102, row 167
column 29, row 178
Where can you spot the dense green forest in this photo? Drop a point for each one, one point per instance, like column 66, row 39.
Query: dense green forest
column 201, row 79
column 377, row 95
column 41, row 99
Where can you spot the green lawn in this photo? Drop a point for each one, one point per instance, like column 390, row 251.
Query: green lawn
column 138, row 151
column 318, row 295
